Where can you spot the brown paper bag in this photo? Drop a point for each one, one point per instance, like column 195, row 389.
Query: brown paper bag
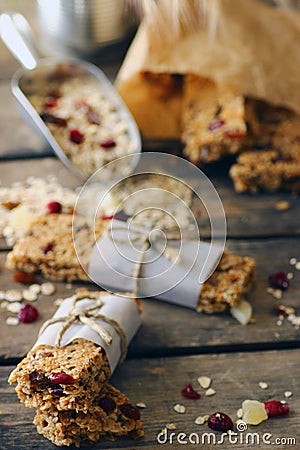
column 254, row 50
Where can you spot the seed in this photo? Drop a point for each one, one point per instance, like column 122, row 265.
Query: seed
column 210, row 392
column 297, row 265
column 220, row 421
column 288, row 394
column 263, row 385
column 180, row 409
column 13, row 295
column 171, row 426
column 239, row 413
column 36, row 288
column 293, row 261
column 201, row 420
column 12, row 321
column 47, row 288
column 189, row 392
column 274, row 408
column 29, row 295
column 290, row 276
column 204, row 382
column 14, row 307
column 140, row 405
column 254, row 412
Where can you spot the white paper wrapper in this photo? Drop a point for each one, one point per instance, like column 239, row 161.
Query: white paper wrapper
column 121, row 309
column 114, row 259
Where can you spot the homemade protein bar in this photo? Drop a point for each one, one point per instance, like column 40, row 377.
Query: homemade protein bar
column 213, row 120
column 110, row 415
column 228, row 285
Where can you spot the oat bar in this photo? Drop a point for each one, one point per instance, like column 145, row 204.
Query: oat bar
column 213, row 120
column 110, row 415
column 229, row 283
column 49, row 247
column 67, row 377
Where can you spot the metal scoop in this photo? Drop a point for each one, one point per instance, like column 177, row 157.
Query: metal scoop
column 16, row 34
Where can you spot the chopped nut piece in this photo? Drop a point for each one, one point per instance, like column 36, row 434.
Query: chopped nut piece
column 282, row 205
column 180, row 409
column 210, row 392
column 12, row 321
column 47, row 288
column 204, row 382
column 14, row 307
column 254, row 412
column 263, row 385
column 171, row 426
column 13, row 295
column 288, row 394
column 29, row 295
column 141, row 405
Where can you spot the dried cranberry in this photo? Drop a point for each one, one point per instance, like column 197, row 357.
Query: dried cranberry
column 24, row 277
column 38, row 380
column 57, row 390
column 54, row 207
column 275, row 408
column 93, row 118
column 50, row 118
column 51, row 102
column 109, row 143
column 189, row 392
column 107, row 404
column 76, row 136
column 61, row 378
column 234, row 134
column 216, row 125
column 48, row 247
column 107, row 217
column 279, row 280
column 284, row 310
column 220, row 422
column 130, row 411
column 28, row 313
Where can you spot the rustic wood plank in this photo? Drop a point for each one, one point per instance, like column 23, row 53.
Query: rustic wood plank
column 157, row 383
column 169, row 329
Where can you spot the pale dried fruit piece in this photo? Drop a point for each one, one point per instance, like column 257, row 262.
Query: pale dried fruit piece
column 47, row 288
column 210, row 392
column 204, row 382
column 263, row 385
column 180, row 409
column 242, row 312
column 254, row 412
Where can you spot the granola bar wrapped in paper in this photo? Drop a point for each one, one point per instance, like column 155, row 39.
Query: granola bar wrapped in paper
column 246, row 47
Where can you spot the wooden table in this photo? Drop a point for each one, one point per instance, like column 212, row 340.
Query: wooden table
column 174, row 345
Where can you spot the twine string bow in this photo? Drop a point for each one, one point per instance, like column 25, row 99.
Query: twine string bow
column 88, row 316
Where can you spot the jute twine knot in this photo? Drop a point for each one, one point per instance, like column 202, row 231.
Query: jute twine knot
column 88, row 316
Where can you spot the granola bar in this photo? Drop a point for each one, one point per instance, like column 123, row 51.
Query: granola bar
column 229, row 283
column 49, row 247
column 67, row 377
column 109, row 416
column 271, row 157
column 213, row 120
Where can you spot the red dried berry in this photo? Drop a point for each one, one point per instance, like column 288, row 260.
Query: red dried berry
column 24, row 277
column 279, row 280
column 130, row 411
column 107, row 217
column 61, row 378
column 220, row 422
column 93, row 118
column 76, row 136
column 275, row 408
column 28, row 313
column 189, row 392
column 109, row 143
column 233, row 134
column 107, row 404
column 54, row 207
column 48, row 247
column 51, row 102
column 216, row 125
column 50, row 118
